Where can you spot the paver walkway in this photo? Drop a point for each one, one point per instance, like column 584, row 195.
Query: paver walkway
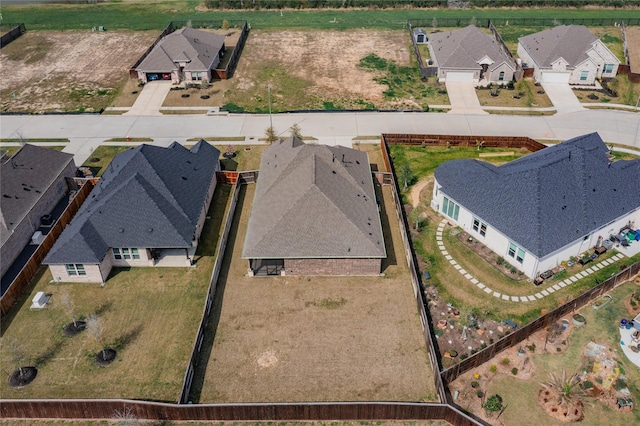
column 509, row 298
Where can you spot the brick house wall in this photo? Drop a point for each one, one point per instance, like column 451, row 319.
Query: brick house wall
column 95, row 273
column 332, row 266
column 23, row 231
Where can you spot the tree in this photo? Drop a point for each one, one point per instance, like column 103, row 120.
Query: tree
column 406, row 174
column 125, row 417
column 225, row 24
column 271, row 134
column 479, row 144
column 17, row 353
column 493, row 404
column 434, row 23
column 69, row 306
column 417, row 216
column 296, row 131
column 95, row 325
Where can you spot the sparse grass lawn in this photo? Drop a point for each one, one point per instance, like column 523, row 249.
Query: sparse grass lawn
column 127, row 94
column 529, row 96
column 375, row 155
column 176, row 98
column 627, row 93
column 601, row 327
column 14, row 148
column 244, row 159
column 129, row 140
column 315, row 338
column 150, row 316
column 104, row 154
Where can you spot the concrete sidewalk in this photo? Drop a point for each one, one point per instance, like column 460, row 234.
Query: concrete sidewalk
column 151, row 98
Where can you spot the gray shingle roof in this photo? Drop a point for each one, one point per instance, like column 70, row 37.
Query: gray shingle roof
column 24, row 178
column 548, row 199
column 569, row 42
column 148, row 197
column 198, row 48
column 465, row 47
column 314, row 201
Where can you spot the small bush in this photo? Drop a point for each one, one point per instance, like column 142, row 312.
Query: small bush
column 464, row 356
column 587, row 384
column 514, row 371
column 500, row 260
column 532, row 347
column 493, row 404
column 475, row 384
column 558, row 349
column 620, row 384
column 513, row 270
column 505, row 361
column 493, row 368
column 479, row 393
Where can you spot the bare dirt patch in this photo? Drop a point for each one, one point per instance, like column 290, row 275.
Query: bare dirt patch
column 317, row 338
column 322, row 64
column 68, row 71
column 633, row 41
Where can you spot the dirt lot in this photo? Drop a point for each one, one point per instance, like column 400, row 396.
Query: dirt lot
column 315, row 338
column 70, row 70
column 633, row 41
column 319, row 65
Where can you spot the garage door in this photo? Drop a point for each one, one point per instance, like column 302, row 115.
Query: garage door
column 555, row 77
column 457, row 76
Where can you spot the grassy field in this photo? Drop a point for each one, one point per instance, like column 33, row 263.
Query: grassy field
column 150, row 315
column 601, row 327
column 315, row 338
column 139, row 15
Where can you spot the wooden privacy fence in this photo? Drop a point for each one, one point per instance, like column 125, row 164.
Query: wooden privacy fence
column 30, row 269
column 227, row 71
column 436, row 23
column 107, row 409
column 16, row 31
column 538, row 324
column 463, row 140
column 634, row 77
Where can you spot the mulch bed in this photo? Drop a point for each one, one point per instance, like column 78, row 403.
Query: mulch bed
column 17, row 380
column 105, row 357
column 72, row 329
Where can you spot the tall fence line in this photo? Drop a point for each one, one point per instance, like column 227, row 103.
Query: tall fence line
column 211, row 292
column 12, row 34
column 518, row 73
column 435, row 23
column 538, row 324
column 425, row 71
column 29, row 270
column 227, row 71
column 463, row 140
column 634, row 77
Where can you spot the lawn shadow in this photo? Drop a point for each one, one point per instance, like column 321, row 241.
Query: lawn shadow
column 211, row 233
column 21, row 300
column 216, row 309
column 102, row 308
column 48, row 354
column 117, row 270
column 391, row 259
column 126, row 339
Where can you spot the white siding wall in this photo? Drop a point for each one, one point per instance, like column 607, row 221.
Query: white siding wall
column 587, row 65
column 602, row 55
column 145, row 259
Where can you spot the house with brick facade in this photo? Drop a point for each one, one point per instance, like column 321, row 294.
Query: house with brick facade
column 567, row 54
column 148, row 209
column 32, row 182
column 186, row 55
column 314, row 213
column 542, row 209
column 468, row 55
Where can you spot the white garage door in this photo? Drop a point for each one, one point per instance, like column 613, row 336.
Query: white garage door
column 457, row 76
column 555, row 77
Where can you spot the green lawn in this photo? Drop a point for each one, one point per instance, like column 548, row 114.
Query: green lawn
column 13, row 149
column 150, row 315
column 147, row 15
column 103, row 156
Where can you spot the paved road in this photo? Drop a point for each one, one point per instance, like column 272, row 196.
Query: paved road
column 88, row 131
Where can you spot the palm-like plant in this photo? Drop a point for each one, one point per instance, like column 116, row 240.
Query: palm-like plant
column 567, row 389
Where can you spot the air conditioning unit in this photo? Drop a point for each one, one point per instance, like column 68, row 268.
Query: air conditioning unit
column 435, row 205
column 37, row 238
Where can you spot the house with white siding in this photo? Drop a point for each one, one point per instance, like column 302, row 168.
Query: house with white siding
column 567, row 54
column 541, row 209
column 148, row 209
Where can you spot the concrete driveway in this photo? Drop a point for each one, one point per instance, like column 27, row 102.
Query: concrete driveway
column 562, row 97
column 151, row 98
column 463, row 99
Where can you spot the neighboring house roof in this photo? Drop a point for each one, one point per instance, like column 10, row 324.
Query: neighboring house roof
column 198, row 48
column 569, row 42
column 465, row 48
column 24, row 178
column 148, row 197
column 547, row 199
column 314, row 201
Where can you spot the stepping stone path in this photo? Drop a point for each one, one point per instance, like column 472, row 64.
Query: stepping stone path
column 531, row 298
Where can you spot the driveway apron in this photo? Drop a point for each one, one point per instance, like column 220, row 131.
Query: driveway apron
column 463, row 99
column 562, row 97
column 150, row 99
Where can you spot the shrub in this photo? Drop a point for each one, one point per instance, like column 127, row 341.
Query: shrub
column 558, row 349
column 479, row 393
column 532, row 347
column 500, row 260
column 493, row 404
column 587, row 384
column 475, row 384
column 505, row 361
column 514, row 371
column 493, row 368
column 464, row 356
column 619, row 384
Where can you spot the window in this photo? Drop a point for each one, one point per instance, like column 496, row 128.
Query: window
column 608, row 68
column 450, row 208
column 516, row 252
column 501, row 76
column 584, row 75
column 75, row 269
column 126, row 253
column 196, row 76
column 479, row 226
